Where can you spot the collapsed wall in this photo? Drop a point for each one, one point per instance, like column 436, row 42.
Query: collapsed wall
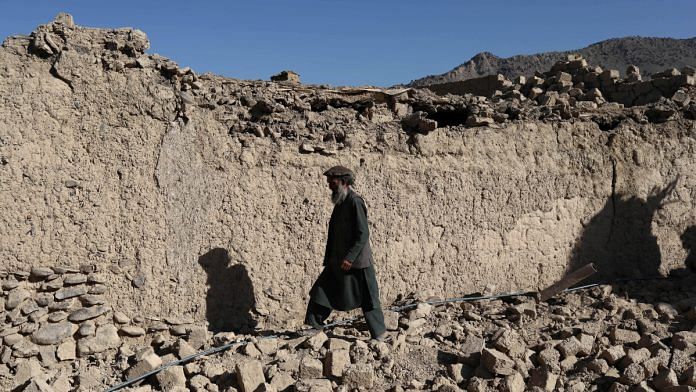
column 201, row 196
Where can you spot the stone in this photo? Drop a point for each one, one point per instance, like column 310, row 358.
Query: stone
column 40, row 272
column 171, row 378
column 338, row 344
column 121, row 318
column 132, row 330
column 613, row 354
column 360, row 375
column 249, row 375
column 88, row 328
column 73, row 279
column 198, row 336
column 25, row 349
column 250, row 350
column 183, row 349
column 70, row 292
column 496, row 362
column 634, row 356
column 146, row 361
column 311, row 367
column 623, row 336
column 335, row 362
column 511, row 343
column 267, row 346
column 178, row 330
column 512, row 383
column 27, row 370
column 282, row 381
column 9, row 284
column 88, row 313
column 391, row 320
column 317, row 341
column 15, row 298
column 52, row 333
column 690, row 376
column 633, row 374
column 471, row 350
column 105, row 338
column 549, row 357
column 66, row 351
column 542, row 378
column 91, row 300
column 47, row 355
column 665, row 379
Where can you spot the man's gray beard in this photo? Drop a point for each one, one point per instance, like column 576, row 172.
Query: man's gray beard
column 339, row 195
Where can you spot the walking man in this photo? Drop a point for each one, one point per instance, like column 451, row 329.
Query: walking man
column 348, row 280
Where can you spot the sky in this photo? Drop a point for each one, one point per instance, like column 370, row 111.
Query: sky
column 358, row 42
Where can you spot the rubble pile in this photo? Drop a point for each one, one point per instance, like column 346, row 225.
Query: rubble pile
column 60, row 334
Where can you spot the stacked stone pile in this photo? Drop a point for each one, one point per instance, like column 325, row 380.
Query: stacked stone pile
column 60, row 334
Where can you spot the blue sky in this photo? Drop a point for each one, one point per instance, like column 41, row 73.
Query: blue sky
column 358, row 42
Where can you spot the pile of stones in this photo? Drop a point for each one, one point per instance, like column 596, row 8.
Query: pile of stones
column 59, row 334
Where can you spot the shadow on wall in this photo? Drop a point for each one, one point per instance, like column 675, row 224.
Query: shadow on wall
column 230, row 297
column 688, row 240
column 619, row 239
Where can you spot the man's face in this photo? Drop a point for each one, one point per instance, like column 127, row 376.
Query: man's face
column 334, row 183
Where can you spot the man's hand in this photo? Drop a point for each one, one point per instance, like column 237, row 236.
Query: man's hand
column 346, row 265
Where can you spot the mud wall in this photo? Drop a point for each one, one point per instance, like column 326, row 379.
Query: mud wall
column 182, row 216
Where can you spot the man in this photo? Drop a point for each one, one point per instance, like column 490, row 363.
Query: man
column 348, row 280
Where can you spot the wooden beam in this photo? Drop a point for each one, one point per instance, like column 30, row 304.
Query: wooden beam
column 567, row 281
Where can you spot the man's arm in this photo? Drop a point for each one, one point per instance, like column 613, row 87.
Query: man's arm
column 360, row 230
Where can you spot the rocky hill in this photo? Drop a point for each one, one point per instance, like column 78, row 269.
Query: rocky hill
column 649, row 54
column 148, row 212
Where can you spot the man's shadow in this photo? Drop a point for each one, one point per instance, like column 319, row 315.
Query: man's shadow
column 619, row 239
column 230, row 297
column 688, row 240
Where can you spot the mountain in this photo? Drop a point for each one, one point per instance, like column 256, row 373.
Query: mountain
column 649, row 54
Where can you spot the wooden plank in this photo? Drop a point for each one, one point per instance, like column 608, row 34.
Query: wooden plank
column 567, row 281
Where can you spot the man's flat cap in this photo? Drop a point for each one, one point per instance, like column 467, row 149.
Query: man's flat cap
column 338, row 171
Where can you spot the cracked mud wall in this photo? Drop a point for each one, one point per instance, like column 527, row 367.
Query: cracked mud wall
column 99, row 167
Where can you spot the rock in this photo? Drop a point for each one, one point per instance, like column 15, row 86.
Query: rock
column 106, row 337
column 311, row 367
column 511, row 343
column 177, row 330
column 52, row 333
column 70, row 292
column 338, row 344
column 73, row 279
column 250, row 350
column 87, row 328
column 91, row 300
column 422, row 310
column 613, row 354
column 623, row 336
column 471, row 350
column 317, row 341
column 512, row 383
column 121, row 318
column 543, row 378
column 66, row 351
column 665, row 379
column 25, row 349
column 183, row 349
column 146, row 360
column 690, row 376
column 282, row 381
column 198, row 337
column 15, row 298
column 132, row 330
column 87, row 313
column 418, row 123
column 27, row 370
column 496, row 362
column 57, row 316
column 633, row 374
column 286, row 76
column 171, row 378
column 249, row 375
column 335, row 362
column 479, row 121
column 40, row 272
column 267, row 346
column 359, row 376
